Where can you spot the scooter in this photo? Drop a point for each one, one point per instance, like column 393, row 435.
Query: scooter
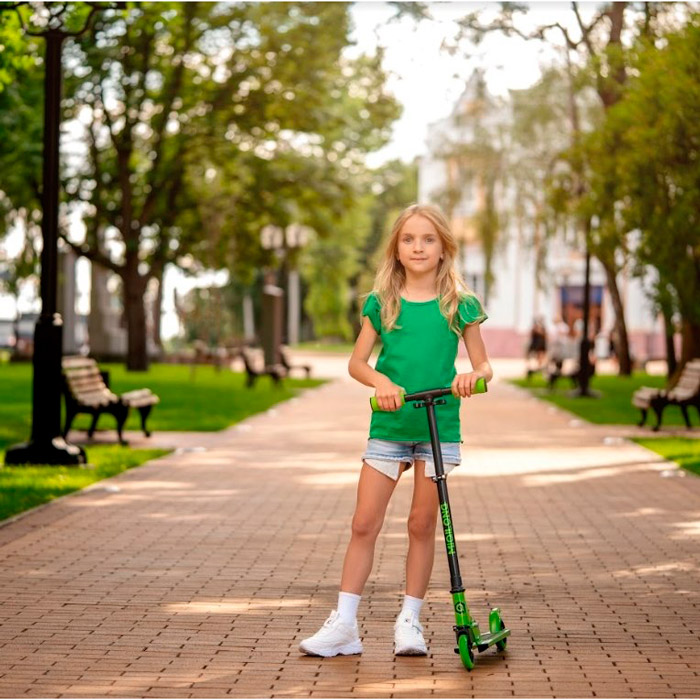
column 467, row 631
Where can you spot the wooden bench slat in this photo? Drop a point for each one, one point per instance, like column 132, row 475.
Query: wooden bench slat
column 81, row 374
column 106, row 396
column 72, row 361
column 86, row 383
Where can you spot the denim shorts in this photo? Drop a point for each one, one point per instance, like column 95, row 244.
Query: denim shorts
column 386, row 456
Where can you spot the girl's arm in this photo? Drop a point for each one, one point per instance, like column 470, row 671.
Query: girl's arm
column 463, row 384
column 387, row 392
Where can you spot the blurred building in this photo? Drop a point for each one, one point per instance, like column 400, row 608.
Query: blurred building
column 466, row 172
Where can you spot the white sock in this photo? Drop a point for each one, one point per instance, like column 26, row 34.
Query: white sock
column 411, row 604
column 347, row 607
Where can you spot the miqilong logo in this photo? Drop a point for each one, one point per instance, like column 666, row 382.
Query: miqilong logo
column 447, row 523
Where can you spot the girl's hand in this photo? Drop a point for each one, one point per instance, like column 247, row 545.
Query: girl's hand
column 463, row 384
column 388, row 395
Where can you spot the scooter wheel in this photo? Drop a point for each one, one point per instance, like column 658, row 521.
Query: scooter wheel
column 501, row 646
column 465, row 652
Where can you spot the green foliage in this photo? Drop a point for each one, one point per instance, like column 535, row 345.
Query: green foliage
column 201, row 123
column 394, row 186
column 343, row 266
column 327, row 265
column 657, row 128
column 21, row 125
column 15, row 59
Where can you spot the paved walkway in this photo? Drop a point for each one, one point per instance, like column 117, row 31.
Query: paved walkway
column 197, row 574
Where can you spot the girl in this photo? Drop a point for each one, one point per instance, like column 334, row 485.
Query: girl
column 419, row 307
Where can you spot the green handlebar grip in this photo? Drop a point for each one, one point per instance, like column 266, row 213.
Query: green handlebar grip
column 375, row 406
column 479, row 388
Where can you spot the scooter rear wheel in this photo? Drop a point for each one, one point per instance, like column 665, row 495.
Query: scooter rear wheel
column 465, row 651
column 496, row 624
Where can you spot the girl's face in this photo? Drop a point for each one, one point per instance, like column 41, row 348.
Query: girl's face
column 419, row 246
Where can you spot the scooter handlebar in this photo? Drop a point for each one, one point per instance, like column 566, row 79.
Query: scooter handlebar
column 479, row 388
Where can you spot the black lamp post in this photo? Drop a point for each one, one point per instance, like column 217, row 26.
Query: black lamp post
column 46, row 445
column 584, row 362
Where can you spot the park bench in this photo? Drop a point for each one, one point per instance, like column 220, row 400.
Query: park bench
column 288, row 366
column 86, row 390
column 685, row 393
column 255, row 368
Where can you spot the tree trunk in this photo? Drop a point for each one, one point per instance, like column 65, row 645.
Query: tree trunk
column 690, row 349
column 134, row 290
column 622, row 346
column 669, row 332
column 671, row 362
column 15, row 326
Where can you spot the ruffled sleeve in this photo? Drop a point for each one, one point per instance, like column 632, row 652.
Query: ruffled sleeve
column 371, row 309
column 470, row 311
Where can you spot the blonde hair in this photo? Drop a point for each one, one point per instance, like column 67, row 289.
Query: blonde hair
column 391, row 276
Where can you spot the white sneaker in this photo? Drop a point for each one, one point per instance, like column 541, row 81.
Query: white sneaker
column 408, row 636
column 335, row 637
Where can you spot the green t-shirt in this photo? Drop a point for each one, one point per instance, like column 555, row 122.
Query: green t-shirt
column 420, row 355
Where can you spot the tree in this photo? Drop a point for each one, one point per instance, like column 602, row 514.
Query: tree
column 327, row 267
column 394, row 186
column 21, row 125
column 657, row 191
column 15, row 60
column 536, row 145
column 475, row 160
column 598, row 44
column 243, row 98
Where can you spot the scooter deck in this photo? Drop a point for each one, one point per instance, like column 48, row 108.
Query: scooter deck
column 490, row 638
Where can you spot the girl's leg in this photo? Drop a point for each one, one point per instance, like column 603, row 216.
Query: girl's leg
column 421, row 533
column 373, row 493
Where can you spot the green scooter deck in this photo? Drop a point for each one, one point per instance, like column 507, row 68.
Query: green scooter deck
column 490, row 638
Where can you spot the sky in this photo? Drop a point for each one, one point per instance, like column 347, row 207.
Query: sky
column 424, row 78
column 427, row 80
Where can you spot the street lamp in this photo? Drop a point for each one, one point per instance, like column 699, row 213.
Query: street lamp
column 297, row 237
column 285, row 242
column 46, row 445
column 584, row 363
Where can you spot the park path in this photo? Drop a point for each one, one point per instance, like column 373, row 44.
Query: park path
column 197, row 574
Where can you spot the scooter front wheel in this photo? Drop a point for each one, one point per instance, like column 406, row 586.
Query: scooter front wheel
column 465, row 651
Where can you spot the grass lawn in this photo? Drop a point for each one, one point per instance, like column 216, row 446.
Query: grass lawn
column 22, row 488
column 208, row 401
column 683, row 451
column 614, row 406
column 321, row 346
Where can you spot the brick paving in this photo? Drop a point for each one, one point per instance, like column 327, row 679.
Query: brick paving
column 201, row 573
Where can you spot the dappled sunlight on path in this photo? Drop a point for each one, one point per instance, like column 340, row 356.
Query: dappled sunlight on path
column 199, row 573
